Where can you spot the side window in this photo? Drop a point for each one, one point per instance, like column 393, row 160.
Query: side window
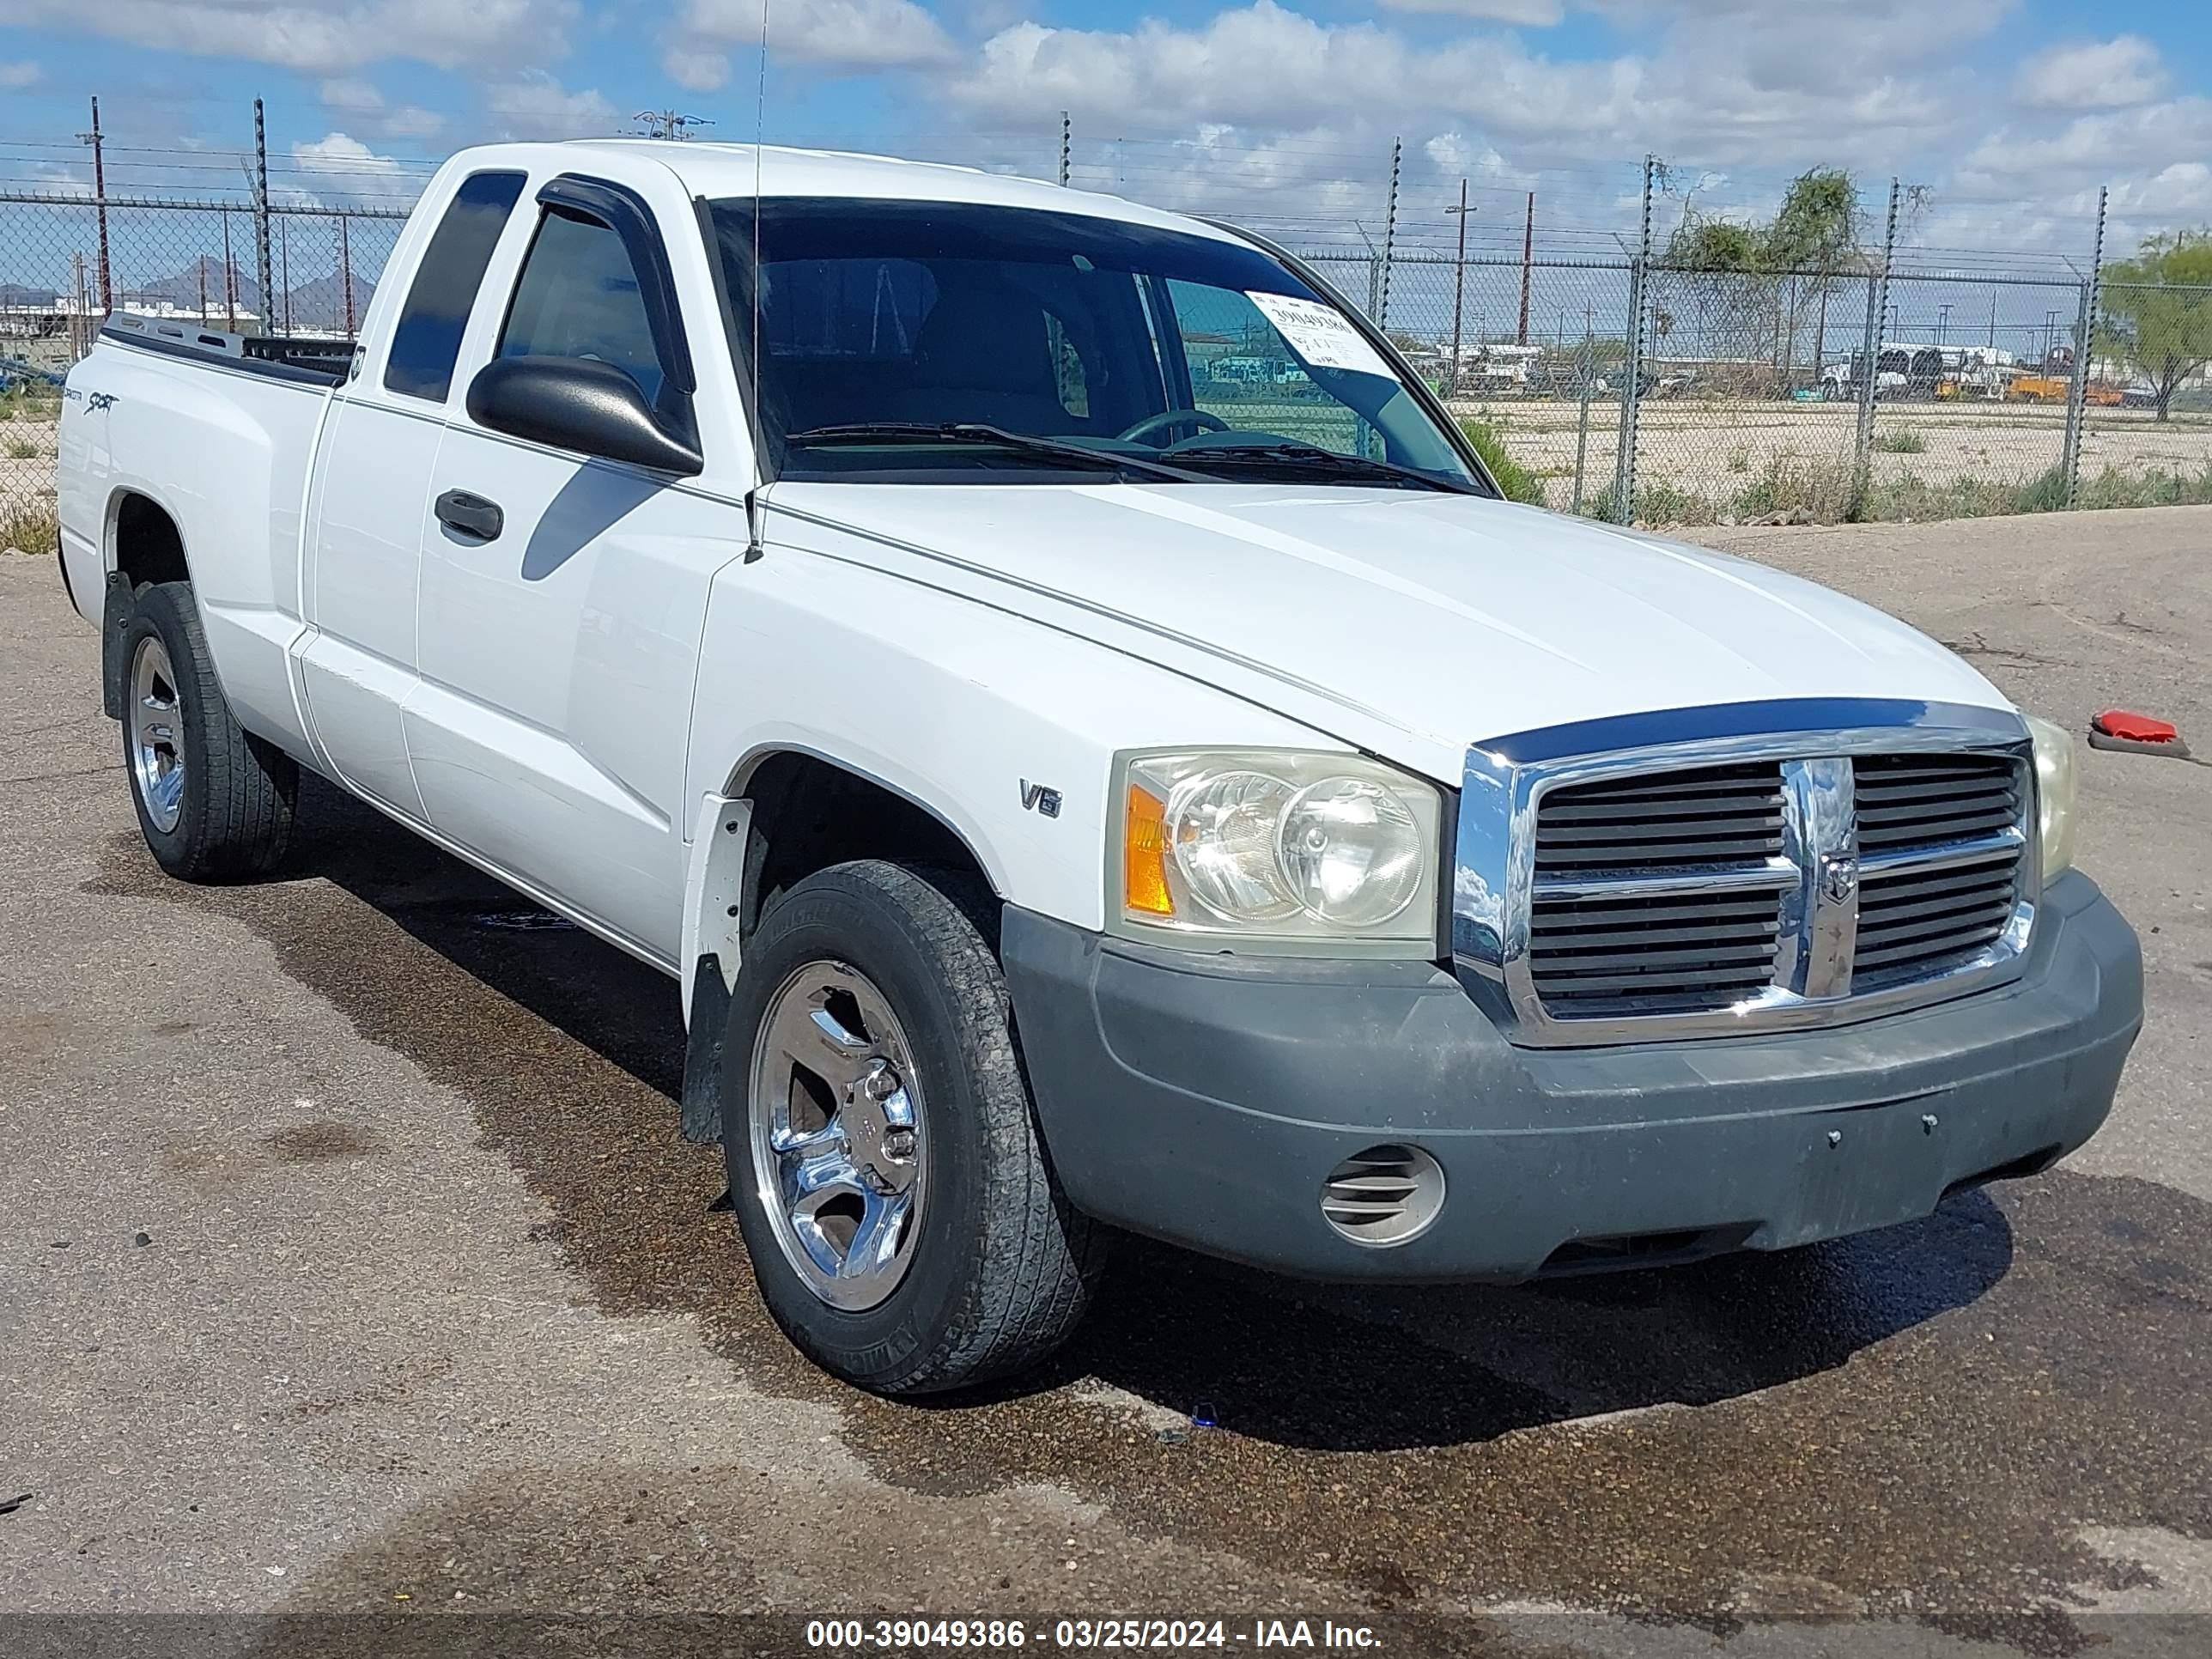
column 577, row 297
column 428, row 337
column 1073, row 386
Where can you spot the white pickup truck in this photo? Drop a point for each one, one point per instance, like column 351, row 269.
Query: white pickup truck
column 1073, row 794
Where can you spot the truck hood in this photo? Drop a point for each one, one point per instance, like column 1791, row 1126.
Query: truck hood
column 1411, row 624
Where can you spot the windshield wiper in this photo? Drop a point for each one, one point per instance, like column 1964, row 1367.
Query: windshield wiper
column 992, row 437
column 1307, row 457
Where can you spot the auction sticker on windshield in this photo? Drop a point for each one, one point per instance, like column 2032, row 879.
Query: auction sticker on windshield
column 1320, row 335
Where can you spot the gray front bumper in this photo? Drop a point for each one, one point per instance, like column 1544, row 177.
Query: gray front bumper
column 1204, row 1100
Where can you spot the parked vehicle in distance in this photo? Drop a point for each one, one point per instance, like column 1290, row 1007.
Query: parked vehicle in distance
column 1067, row 807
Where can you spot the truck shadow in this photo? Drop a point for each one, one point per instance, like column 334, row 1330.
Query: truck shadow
column 1184, row 1341
column 1920, row 1419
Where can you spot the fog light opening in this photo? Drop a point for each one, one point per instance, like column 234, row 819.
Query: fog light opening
column 1386, row 1195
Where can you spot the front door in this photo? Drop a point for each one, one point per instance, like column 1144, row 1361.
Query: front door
column 561, row 602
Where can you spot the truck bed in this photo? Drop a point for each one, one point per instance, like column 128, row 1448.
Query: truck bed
column 319, row 361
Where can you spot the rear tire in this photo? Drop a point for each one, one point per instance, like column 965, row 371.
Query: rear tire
column 214, row 802
column 991, row 1268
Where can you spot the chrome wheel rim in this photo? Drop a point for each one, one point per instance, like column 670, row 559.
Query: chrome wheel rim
column 838, row 1149
column 157, row 734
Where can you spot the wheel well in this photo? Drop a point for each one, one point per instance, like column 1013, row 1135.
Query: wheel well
column 809, row 814
column 148, row 548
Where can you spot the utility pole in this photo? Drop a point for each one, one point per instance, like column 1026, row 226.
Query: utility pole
column 261, row 218
column 1067, row 144
column 1459, row 286
column 99, row 203
column 284, row 252
column 1942, row 323
column 667, row 124
column 1527, row 262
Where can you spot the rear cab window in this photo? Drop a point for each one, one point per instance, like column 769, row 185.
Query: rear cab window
column 426, row 341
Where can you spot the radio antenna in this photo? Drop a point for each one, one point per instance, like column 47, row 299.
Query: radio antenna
column 760, row 138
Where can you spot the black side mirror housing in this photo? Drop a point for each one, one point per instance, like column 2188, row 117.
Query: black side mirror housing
column 577, row 403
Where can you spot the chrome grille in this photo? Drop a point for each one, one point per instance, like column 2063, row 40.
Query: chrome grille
column 1663, row 821
column 1594, row 952
column 1925, row 800
column 1721, row 891
column 1919, row 918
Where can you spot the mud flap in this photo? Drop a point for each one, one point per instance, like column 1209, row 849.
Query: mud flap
column 115, row 623
column 702, row 1053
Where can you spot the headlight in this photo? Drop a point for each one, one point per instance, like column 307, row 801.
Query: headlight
column 1281, row 851
column 2054, row 792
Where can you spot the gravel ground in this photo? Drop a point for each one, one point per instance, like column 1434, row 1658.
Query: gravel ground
column 357, row 1295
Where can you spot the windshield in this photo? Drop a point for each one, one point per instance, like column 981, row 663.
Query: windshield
column 896, row 336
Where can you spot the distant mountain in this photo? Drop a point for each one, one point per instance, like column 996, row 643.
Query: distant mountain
column 201, row 280
column 15, row 294
column 317, row 304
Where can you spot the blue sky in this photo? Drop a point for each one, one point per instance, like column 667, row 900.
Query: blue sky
column 2010, row 111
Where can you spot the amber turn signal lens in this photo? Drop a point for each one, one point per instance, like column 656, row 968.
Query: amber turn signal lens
column 1144, row 855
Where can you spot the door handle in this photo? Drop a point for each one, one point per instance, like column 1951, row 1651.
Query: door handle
column 472, row 515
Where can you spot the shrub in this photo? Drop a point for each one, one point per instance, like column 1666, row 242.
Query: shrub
column 1900, row 440
column 1820, row 491
column 30, row 529
column 22, row 449
column 1519, row 484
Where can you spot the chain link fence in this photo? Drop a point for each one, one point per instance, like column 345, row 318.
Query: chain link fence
column 66, row 261
column 1798, row 397
column 1632, row 388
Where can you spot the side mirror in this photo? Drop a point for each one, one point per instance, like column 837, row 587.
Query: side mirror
column 575, row 403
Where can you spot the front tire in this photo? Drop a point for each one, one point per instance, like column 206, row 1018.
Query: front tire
column 214, row 802
column 884, row 1163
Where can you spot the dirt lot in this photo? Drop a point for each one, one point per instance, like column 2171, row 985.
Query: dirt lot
column 1718, row 450
column 354, row 1281
column 28, row 436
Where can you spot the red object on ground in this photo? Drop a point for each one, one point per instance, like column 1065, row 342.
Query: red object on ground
column 2135, row 728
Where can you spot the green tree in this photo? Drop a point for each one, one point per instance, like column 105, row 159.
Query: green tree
column 2158, row 311
column 1717, row 245
column 1818, row 227
column 1750, row 285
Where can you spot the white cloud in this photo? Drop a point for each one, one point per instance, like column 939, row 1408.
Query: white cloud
column 359, row 103
column 338, row 168
column 2105, row 75
column 536, row 106
column 15, row 76
column 838, row 35
column 1534, row 14
column 1745, row 85
column 324, row 37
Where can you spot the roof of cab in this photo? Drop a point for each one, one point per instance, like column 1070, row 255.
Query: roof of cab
column 716, row 170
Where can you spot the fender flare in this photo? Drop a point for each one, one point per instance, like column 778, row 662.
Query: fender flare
column 719, row 874
column 119, row 602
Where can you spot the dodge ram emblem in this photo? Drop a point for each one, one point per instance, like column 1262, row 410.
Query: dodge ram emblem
column 1839, row 877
